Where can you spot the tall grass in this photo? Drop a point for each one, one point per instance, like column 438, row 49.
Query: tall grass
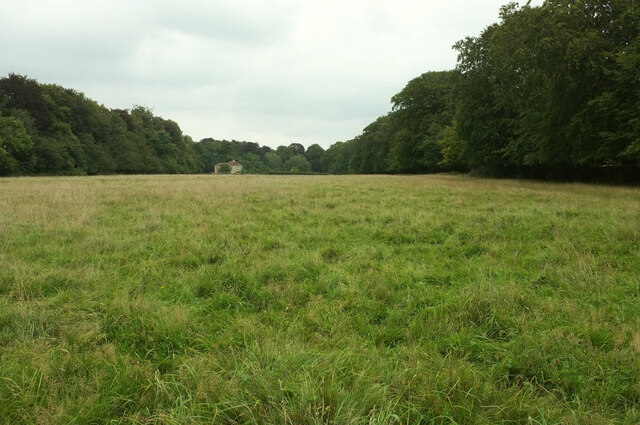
column 318, row 300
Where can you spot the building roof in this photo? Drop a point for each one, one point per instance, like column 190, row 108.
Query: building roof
column 233, row 162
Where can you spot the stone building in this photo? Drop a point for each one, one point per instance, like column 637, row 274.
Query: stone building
column 234, row 167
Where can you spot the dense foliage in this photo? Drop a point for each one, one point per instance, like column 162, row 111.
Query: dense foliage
column 553, row 89
column 260, row 159
column 549, row 91
column 47, row 129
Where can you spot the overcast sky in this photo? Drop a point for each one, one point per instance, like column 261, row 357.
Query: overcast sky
column 273, row 72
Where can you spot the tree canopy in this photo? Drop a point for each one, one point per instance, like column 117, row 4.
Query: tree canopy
column 49, row 129
column 550, row 88
column 549, row 91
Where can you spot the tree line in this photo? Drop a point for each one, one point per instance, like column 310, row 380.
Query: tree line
column 547, row 92
column 48, row 129
column 551, row 91
column 294, row 158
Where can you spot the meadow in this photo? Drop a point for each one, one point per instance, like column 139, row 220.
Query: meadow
column 206, row 299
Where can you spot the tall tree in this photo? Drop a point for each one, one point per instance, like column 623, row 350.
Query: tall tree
column 15, row 146
column 297, row 164
column 296, row 148
column 314, row 156
column 26, row 94
column 549, row 87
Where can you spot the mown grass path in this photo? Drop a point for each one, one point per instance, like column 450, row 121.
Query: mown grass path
column 318, row 299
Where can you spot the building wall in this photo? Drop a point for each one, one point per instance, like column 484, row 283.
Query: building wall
column 234, row 169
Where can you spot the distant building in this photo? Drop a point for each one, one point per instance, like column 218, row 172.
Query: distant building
column 234, row 167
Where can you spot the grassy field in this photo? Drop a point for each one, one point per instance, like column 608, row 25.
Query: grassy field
column 318, row 300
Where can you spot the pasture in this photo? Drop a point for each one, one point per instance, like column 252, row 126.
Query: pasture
column 318, row 300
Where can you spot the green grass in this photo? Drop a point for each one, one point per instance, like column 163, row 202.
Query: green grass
column 318, row 300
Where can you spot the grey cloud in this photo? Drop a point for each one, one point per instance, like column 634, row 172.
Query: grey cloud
column 254, row 25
